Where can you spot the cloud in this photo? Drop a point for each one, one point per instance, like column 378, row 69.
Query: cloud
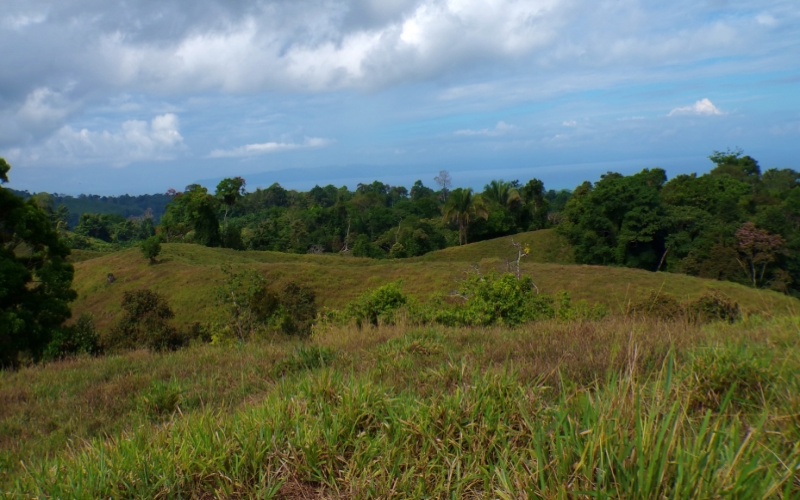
column 270, row 147
column 502, row 128
column 135, row 140
column 569, row 123
column 703, row 107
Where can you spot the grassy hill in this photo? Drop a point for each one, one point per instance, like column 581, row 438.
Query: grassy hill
column 620, row 407
column 189, row 276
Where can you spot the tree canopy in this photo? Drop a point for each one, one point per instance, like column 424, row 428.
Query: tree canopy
column 35, row 278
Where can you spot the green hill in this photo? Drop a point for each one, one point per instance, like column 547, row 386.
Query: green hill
column 189, row 275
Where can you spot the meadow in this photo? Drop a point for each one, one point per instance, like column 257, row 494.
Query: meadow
column 623, row 407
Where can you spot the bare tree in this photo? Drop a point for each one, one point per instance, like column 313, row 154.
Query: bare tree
column 444, row 181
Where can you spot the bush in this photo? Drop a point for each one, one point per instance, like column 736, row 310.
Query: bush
column 657, row 305
column 145, row 324
column 299, row 309
column 713, row 306
column 80, row 338
column 377, row 306
column 151, row 248
column 499, row 300
column 253, row 308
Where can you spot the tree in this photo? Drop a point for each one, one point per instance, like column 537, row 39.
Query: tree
column 193, row 210
column 757, row 249
column 463, row 207
column 146, row 323
column 151, row 248
column 444, row 181
column 35, row 278
column 229, row 191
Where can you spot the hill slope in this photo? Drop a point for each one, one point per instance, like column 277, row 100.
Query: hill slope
column 189, row 276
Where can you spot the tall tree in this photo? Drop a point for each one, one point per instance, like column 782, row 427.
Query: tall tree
column 229, row 191
column 463, row 207
column 35, row 278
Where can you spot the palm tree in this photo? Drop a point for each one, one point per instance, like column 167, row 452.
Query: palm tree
column 502, row 193
column 463, row 207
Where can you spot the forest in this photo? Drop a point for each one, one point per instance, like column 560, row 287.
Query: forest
column 733, row 223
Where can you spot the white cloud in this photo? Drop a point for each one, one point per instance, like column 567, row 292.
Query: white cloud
column 502, row 128
column 703, row 107
column 766, row 19
column 44, row 108
column 270, row 147
column 136, row 140
column 570, row 123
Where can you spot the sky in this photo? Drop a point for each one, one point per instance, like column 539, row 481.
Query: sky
column 139, row 96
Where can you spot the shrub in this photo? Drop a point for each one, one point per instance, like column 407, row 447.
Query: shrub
column 657, row 305
column 499, row 299
column 713, row 306
column 151, row 248
column 145, row 323
column 80, row 338
column 299, row 309
column 377, row 306
column 254, row 308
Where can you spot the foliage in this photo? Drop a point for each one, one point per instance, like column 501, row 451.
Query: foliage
column 151, row 248
column 35, row 278
column 192, row 217
column 145, row 324
column 253, row 308
column 377, row 306
column 713, row 306
column 80, row 338
column 499, row 300
column 462, row 208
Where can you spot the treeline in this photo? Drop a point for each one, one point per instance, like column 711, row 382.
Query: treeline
column 375, row 220
column 121, row 207
column 734, row 223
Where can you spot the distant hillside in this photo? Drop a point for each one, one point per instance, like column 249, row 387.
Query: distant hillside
column 189, row 275
column 124, row 205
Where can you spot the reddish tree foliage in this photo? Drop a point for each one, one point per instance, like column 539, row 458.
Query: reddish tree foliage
column 757, row 249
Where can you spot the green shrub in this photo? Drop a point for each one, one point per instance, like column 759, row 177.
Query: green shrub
column 253, row 308
column 145, row 324
column 299, row 309
column 80, row 338
column 151, row 248
column 713, row 306
column 498, row 300
column 377, row 306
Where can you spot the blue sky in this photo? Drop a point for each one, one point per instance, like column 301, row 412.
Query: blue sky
column 142, row 96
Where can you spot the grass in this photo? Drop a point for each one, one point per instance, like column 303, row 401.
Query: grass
column 189, row 276
column 614, row 408
column 622, row 407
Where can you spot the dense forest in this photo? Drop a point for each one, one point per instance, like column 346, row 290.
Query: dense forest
column 733, row 223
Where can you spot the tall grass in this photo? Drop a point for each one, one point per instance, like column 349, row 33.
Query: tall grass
column 609, row 409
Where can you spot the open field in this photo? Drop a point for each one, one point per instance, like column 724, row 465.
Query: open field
column 190, row 275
